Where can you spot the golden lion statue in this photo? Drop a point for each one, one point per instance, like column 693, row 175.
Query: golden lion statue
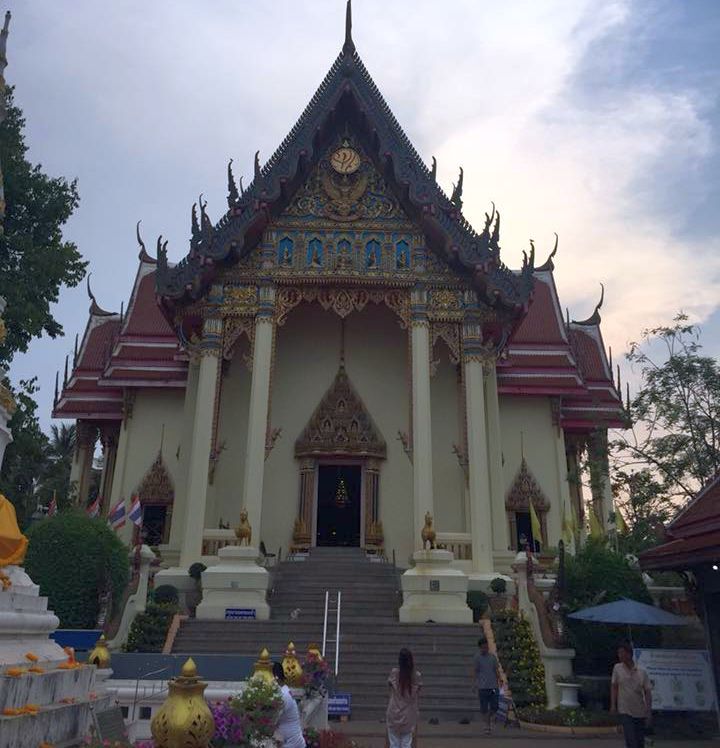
column 428, row 532
column 243, row 532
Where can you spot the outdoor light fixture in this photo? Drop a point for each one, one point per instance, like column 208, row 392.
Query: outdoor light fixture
column 714, row 567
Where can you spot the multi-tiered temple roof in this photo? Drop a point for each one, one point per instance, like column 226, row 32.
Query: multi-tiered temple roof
column 544, row 355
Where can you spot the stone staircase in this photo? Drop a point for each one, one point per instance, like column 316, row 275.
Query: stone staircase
column 370, row 634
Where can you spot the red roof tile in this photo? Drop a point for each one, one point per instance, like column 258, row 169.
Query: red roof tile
column 541, row 324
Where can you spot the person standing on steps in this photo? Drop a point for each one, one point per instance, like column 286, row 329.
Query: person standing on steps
column 487, row 679
column 402, row 712
column 289, row 727
column 631, row 697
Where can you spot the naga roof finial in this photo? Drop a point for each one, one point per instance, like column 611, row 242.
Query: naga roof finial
column 194, row 225
column 349, row 45
column 433, row 170
column 143, row 255
column 594, row 318
column 233, row 195
column 257, row 166
column 549, row 264
column 456, row 198
column 95, row 308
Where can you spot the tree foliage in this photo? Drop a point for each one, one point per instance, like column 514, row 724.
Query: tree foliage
column 35, row 260
column 674, row 446
column 75, row 560
column 25, row 456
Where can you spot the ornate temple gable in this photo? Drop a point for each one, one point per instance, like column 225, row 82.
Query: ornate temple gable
column 341, row 425
column 345, row 225
column 157, row 486
column 524, row 491
column 347, row 99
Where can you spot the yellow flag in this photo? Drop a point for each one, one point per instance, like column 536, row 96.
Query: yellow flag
column 596, row 530
column 622, row 527
column 535, row 525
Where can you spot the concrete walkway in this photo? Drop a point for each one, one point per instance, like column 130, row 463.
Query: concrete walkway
column 372, row 735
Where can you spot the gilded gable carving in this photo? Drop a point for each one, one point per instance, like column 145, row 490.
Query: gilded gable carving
column 157, row 486
column 341, row 425
column 526, row 490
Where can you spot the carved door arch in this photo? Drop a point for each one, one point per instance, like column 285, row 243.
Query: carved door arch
column 525, row 490
column 157, row 497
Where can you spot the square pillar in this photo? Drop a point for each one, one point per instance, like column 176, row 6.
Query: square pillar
column 494, row 449
column 602, row 496
column 259, row 410
column 199, row 458
column 421, row 415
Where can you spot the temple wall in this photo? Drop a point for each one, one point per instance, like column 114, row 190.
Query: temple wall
column 448, row 478
column 541, row 439
column 307, row 358
column 140, row 442
column 225, row 493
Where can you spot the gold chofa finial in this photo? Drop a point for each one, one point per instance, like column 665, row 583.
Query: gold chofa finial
column 349, row 46
column 189, row 669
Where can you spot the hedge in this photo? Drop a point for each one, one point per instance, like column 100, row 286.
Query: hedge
column 74, row 559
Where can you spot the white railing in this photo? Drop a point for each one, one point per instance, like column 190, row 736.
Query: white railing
column 326, row 620
column 215, row 539
column 460, row 543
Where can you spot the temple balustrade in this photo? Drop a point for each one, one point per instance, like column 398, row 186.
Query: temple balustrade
column 214, row 539
column 458, row 543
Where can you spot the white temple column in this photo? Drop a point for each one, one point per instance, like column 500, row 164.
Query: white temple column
column 494, row 449
column 199, row 458
column 481, row 529
column 602, row 496
column 422, row 422
column 259, row 409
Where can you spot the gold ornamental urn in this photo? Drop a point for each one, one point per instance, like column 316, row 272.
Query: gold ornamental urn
column 263, row 668
column 184, row 720
column 292, row 667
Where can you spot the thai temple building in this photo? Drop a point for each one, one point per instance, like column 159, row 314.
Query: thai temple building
column 340, row 354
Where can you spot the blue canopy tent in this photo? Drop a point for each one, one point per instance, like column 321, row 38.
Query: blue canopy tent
column 631, row 613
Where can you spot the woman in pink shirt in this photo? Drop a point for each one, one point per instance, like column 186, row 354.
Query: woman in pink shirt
column 402, row 713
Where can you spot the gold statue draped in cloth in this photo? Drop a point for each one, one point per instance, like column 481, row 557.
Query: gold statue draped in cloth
column 13, row 543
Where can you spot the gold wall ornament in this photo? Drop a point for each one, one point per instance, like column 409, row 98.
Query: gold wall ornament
column 428, row 533
column 100, row 655
column 184, row 720
column 243, row 532
column 263, row 668
column 233, row 329
column 449, row 333
column 341, row 425
column 270, row 438
column 291, row 667
column 239, row 300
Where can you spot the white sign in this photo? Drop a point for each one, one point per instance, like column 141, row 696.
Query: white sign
column 681, row 679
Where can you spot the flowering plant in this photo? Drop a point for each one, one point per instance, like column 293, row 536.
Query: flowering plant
column 327, row 739
column 316, row 672
column 248, row 718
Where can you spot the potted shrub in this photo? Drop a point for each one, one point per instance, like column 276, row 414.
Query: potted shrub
column 499, row 600
column 194, row 597
column 478, row 601
column 569, row 687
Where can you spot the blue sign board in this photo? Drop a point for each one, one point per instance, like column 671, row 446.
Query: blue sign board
column 339, row 705
column 81, row 640
column 239, row 614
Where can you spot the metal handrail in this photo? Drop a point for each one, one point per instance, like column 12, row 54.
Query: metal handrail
column 131, row 713
column 325, row 622
column 337, row 633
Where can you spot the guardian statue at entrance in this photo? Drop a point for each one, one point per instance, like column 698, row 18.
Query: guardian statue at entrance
column 428, row 532
column 243, row 532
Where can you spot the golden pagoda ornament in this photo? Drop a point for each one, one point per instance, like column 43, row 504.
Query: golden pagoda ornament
column 263, row 668
column 100, row 655
column 185, row 719
column 292, row 667
column 341, row 495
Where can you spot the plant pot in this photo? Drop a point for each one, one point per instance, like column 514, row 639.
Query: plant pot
column 569, row 694
column 498, row 603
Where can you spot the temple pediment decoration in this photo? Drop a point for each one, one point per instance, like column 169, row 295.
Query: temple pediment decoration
column 525, row 490
column 341, row 425
column 156, row 486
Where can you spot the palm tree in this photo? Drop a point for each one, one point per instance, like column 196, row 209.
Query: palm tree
column 55, row 477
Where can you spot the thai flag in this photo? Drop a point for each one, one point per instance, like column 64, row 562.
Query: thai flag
column 94, row 509
column 116, row 516
column 135, row 513
column 52, row 507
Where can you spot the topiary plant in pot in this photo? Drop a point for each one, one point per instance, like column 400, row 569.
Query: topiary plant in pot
column 193, row 597
column 498, row 601
column 478, row 601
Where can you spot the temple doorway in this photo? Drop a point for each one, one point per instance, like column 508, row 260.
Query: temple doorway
column 339, row 505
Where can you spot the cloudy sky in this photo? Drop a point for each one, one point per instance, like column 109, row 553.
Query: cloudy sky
column 596, row 119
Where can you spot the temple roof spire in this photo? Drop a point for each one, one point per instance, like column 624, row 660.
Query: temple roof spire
column 349, row 46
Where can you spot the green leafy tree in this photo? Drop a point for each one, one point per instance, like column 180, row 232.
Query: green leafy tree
column 55, row 479
column 25, row 456
column 75, row 560
column 673, row 447
column 35, row 260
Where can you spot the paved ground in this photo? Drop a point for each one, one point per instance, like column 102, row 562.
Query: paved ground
column 371, row 735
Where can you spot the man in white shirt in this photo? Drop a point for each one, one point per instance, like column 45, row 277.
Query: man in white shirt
column 631, row 697
column 289, row 727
